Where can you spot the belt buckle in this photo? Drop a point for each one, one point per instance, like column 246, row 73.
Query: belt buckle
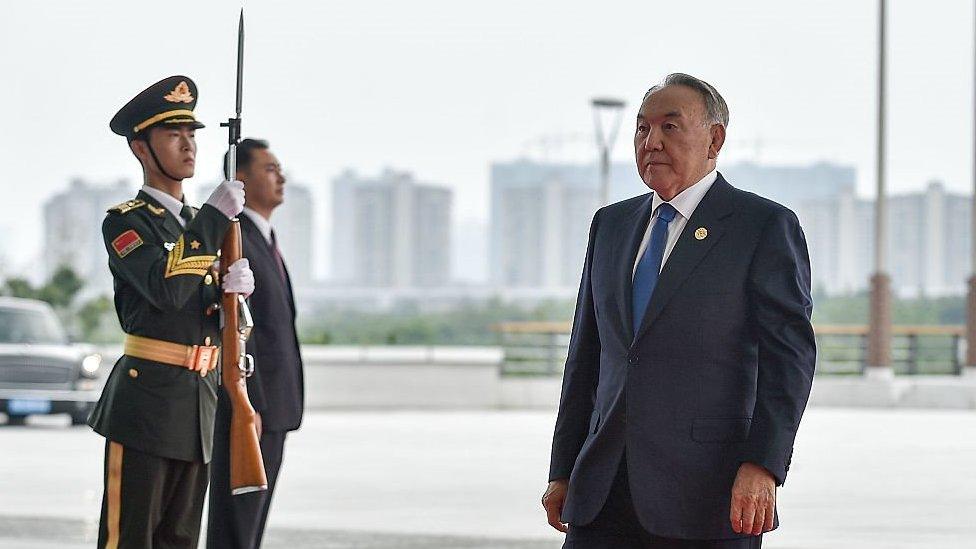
column 206, row 359
column 202, row 358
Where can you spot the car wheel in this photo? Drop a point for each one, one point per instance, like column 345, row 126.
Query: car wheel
column 79, row 418
column 16, row 420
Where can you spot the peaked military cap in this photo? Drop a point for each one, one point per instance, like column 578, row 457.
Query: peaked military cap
column 169, row 101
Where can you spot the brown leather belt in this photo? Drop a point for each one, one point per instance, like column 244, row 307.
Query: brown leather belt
column 199, row 358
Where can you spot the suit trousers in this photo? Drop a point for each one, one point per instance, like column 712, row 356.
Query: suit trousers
column 150, row 501
column 617, row 527
column 237, row 522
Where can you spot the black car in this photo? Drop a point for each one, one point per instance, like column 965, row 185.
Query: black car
column 41, row 371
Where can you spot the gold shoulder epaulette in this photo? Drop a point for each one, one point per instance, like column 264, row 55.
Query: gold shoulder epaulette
column 128, row 206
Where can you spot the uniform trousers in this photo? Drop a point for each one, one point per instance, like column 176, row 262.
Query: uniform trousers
column 150, row 502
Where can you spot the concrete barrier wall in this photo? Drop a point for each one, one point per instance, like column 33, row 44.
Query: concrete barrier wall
column 948, row 392
column 469, row 377
column 401, row 377
column 389, row 377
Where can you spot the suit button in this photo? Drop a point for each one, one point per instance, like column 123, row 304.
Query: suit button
column 633, row 360
column 133, row 373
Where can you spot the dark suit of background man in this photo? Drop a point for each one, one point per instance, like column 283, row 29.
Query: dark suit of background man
column 276, row 389
column 692, row 352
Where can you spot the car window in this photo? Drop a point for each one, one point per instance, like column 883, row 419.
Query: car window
column 30, row 326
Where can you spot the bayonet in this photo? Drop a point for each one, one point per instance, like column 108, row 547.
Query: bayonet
column 233, row 125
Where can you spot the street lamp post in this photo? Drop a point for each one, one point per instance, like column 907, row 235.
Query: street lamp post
column 879, row 333
column 971, row 297
column 611, row 109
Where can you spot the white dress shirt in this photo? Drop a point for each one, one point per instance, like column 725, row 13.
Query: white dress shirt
column 173, row 205
column 685, row 203
column 263, row 224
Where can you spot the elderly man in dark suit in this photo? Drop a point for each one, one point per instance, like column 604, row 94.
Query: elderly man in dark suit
column 276, row 389
column 692, row 353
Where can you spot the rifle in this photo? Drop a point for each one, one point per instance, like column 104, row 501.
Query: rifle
column 246, row 463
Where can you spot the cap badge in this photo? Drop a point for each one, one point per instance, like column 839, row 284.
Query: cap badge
column 180, row 94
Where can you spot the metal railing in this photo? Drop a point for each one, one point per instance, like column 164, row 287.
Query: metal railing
column 916, row 350
column 539, row 348
column 533, row 348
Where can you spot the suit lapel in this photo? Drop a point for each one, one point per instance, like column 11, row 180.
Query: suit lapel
column 163, row 217
column 689, row 250
column 257, row 245
column 288, row 288
column 633, row 227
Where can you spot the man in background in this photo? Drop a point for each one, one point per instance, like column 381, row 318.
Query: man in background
column 276, row 389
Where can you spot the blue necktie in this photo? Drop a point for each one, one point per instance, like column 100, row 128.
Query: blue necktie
column 649, row 267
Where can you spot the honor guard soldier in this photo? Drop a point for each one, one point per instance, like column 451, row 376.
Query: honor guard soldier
column 157, row 409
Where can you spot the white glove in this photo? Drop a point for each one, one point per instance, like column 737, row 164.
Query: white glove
column 239, row 278
column 228, row 197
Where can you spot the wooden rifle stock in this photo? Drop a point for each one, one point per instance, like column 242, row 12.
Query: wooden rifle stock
column 246, row 464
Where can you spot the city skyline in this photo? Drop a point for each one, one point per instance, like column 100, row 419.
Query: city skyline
column 536, row 232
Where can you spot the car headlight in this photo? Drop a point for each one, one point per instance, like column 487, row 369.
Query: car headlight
column 90, row 364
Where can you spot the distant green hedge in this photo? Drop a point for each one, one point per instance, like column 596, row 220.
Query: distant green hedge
column 467, row 324
column 470, row 323
column 919, row 311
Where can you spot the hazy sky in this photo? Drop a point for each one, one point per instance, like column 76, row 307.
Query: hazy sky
column 441, row 88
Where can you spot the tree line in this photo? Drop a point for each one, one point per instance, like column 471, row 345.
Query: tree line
column 93, row 319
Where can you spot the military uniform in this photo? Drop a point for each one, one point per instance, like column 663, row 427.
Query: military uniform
column 157, row 409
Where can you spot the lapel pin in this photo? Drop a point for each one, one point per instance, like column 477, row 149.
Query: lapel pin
column 701, row 233
column 169, row 246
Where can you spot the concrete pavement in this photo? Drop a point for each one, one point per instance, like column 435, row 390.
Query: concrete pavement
column 860, row 479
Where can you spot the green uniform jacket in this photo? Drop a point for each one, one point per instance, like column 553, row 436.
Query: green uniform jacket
column 163, row 286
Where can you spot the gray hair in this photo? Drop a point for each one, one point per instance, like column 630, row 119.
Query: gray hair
column 716, row 111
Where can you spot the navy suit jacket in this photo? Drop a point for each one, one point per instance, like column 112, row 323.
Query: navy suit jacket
column 277, row 387
column 717, row 374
